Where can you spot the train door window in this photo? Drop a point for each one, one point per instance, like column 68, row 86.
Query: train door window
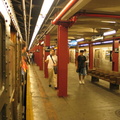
column 107, row 55
column 97, row 58
column 2, row 51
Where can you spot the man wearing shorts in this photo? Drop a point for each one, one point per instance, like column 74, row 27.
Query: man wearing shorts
column 81, row 67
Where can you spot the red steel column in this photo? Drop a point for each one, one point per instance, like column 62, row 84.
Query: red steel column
column 62, row 60
column 35, row 53
column 41, row 57
column 47, row 44
column 115, row 55
column 90, row 56
column 38, row 56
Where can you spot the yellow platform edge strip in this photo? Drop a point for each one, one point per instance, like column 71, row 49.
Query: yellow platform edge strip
column 29, row 107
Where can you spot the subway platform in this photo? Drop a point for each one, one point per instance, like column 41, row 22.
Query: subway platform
column 84, row 102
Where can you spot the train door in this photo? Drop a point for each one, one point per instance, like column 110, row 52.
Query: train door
column 72, row 55
column 14, row 77
column 2, row 70
column 102, row 57
column 97, row 58
column 12, row 65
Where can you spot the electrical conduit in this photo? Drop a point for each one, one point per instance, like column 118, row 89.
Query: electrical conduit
column 64, row 10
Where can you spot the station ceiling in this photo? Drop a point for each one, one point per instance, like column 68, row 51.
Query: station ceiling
column 94, row 17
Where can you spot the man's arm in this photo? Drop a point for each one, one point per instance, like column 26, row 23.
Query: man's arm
column 77, row 63
column 47, row 60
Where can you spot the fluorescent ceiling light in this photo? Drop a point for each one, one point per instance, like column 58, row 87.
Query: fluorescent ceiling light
column 97, row 43
column 109, row 32
column 79, row 40
column 105, row 28
column 2, row 7
column 45, row 9
column 109, row 21
column 97, row 38
column 84, row 45
column 107, row 42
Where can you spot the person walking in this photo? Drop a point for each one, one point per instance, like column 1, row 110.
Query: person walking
column 87, row 60
column 52, row 61
column 31, row 58
column 81, row 67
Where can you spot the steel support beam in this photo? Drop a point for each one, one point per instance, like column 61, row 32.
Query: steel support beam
column 41, row 58
column 62, row 60
column 90, row 56
column 47, row 44
column 115, row 55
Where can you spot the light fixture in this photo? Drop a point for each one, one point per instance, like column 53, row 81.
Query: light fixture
column 109, row 21
column 111, row 41
column 79, row 40
column 45, row 9
column 109, row 33
column 97, row 43
column 84, row 45
column 97, row 38
column 105, row 28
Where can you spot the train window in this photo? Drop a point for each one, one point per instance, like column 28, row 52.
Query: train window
column 107, row 55
column 2, row 51
column 97, row 53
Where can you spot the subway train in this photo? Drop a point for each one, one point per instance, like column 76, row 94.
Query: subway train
column 102, row 55
column 12, row 88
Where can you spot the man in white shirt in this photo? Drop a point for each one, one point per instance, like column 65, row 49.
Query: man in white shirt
column 87, row 60
column 52, row 61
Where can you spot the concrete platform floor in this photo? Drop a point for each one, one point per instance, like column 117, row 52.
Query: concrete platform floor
column 84, row 102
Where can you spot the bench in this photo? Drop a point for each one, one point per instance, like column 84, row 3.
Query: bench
column 110, row 76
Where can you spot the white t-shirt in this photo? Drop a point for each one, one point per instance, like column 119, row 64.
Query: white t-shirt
column 50, row 62
column 87, row 57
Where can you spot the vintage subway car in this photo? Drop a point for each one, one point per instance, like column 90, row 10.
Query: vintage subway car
column 102, row 58
column 12, row 106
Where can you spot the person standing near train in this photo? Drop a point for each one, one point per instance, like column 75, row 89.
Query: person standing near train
column 24, row 66
column 87, row 60
column 52, row 61
column 31, row 58
column 81, row 67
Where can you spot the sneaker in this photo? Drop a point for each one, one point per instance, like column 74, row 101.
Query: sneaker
column 83, row 82
column 80, row 82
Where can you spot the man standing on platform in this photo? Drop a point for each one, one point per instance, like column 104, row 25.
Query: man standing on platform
column 87, row 60
column 52, row 61
column 81, row 67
